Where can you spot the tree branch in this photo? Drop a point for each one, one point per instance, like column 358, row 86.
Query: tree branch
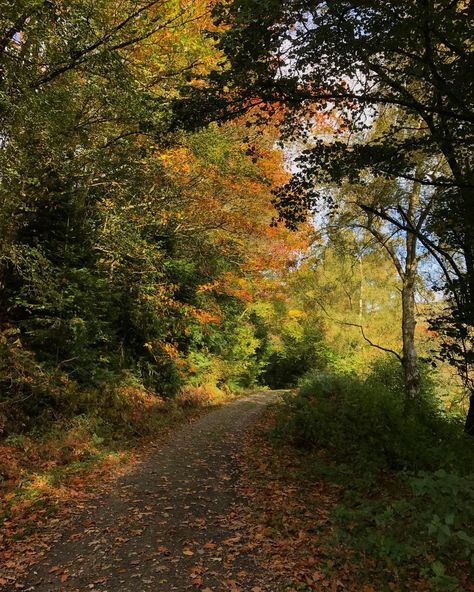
column 82, row 54
column 369, row 341
column 429, row 244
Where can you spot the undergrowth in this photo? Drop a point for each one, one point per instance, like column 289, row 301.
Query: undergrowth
column 406, row 479
column 49, row 455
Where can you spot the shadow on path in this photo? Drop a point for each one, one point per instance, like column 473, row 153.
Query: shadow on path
column 172, row 524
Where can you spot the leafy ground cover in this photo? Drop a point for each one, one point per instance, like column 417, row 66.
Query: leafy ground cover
column 44, row 474
column 172, row 521
column 335, row 510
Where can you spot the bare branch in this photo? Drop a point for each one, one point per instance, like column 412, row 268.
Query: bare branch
column 369, row 341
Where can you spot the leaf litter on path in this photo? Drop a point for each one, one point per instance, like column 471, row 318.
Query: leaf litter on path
column 172, row 523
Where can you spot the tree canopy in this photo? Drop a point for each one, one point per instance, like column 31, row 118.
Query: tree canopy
column 367, row 90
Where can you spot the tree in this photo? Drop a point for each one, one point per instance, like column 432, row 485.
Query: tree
column 401, row 247
column 338, row 310
column 353, row 59
column 81, row 121
column 128, row 250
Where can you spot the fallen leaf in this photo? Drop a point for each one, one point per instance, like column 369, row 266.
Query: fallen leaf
column 210, row 546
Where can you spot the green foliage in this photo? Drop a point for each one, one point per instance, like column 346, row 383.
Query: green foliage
column 226, row 355
column 110, row 220
column 452, row 496
column 414, row 106
column 295, row 357
column 421, row 522
column 344, row 284
column 366, row 420
column 405, row 481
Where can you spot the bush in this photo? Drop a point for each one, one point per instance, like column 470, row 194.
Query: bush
column 425, row 525
column 363, row 421
column 196, row 397
column 405, row 479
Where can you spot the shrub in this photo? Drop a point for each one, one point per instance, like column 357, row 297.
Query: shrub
column 195, row 397
column 363, row 421
column 405, row 479
column 425, row 525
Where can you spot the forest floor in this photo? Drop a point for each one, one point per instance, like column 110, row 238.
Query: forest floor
column 175, row 520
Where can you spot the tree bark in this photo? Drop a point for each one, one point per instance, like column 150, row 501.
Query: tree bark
column 469, row 425
column 410, row 357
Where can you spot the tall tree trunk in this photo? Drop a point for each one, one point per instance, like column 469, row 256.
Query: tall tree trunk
column 410, row 357
column 469, row 425
column 407, row 270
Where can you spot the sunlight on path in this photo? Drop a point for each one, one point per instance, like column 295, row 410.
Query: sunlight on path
column 171, row 524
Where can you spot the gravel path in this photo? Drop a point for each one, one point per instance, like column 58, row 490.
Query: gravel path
column 172, row 524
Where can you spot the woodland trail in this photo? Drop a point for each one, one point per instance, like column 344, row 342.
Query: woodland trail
column 170, row 524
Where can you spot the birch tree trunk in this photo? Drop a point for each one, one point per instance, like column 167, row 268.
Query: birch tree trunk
column 407, row 269
column 410, row 356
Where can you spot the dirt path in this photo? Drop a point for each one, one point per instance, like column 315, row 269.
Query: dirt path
column 173, row 523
